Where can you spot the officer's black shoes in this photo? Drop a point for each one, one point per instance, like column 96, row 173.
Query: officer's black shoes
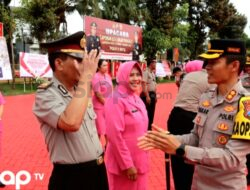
column 1, row 185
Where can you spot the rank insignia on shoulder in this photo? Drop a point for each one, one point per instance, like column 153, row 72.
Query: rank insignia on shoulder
column 241, row 128
column 231, row 95
column 206, row 103
column 45, row 85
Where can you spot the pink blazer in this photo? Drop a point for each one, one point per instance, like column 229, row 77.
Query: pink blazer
column 126, row 120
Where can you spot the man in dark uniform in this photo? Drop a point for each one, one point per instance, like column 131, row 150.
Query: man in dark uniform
column 65, row 112
column 93, row 41
column 136, row 48
column 148, row 94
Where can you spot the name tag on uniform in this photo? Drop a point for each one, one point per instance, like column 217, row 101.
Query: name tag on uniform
column 133, row 111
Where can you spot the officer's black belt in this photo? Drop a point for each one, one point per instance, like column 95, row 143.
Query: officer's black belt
column 97, row 162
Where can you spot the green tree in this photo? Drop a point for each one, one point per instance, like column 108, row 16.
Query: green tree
column 45, row 17
column 214, row 18
column 234, row 28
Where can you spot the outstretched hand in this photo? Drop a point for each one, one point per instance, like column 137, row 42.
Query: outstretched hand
column 159, row 139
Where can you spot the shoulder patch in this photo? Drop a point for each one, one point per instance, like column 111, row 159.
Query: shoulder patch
column 45, row 85
column 241, row 128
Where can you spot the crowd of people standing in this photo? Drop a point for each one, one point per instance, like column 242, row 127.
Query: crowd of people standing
column 80, row 107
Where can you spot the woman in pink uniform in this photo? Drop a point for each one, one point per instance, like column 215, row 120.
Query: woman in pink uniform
column 126, row 120
column 102, row 87
column 2, row 102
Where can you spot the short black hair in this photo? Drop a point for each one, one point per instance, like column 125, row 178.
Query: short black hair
column 53, row 56
column 150, row 61
column 240, row 58
column 100, row 62
column 176, row 69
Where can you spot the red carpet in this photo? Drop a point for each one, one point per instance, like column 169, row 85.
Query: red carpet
column 24, row 148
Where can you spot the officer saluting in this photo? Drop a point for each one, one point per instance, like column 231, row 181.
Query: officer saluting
column 220, row 140
column 67, row 118
column 93, row 41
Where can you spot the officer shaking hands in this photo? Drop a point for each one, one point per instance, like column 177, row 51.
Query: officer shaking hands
column 220, row 140
column 67, row 119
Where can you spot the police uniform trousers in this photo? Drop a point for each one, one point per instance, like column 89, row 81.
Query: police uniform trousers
column 150, row 107
column 180, row 122
column 88, row 175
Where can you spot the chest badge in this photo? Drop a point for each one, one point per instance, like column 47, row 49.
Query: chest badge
column 222, row 139
column 206, row 103
column 223, row 127
column 229, row 108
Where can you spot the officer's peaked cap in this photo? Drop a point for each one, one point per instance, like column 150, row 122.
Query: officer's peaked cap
column 93, row 24
column 72, row 45
column 218, row 48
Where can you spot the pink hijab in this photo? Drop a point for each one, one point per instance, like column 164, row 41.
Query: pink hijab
column 123, row 73
column 195, row 65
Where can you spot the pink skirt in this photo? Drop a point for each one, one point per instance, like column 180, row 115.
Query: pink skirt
column 121, row 182
column 100, row 121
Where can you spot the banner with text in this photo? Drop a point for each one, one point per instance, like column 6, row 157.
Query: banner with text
column 1, row 29
column 5, row 69
column 34, row 65
column 116, row 41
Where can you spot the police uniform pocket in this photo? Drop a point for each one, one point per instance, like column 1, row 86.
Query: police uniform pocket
column 199, row 121
column 91, row 114
column 222, row 131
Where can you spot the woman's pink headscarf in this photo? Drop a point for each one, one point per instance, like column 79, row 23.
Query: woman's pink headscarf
column 195, row 65
column 123, row 73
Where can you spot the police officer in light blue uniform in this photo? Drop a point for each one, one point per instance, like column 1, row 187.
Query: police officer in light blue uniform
column 65, row 112
column 220, row 140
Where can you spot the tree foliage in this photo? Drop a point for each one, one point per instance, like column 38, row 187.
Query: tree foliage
column 6, row 19
column 214, row 19
column 44, row 17
column 166, row 24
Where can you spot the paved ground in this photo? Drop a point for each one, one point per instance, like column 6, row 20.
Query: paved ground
column 24, row 148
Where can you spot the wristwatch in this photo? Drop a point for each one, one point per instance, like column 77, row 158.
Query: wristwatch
column 180, row 151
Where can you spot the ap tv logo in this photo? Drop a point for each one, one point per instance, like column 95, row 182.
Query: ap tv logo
column 19, row 179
